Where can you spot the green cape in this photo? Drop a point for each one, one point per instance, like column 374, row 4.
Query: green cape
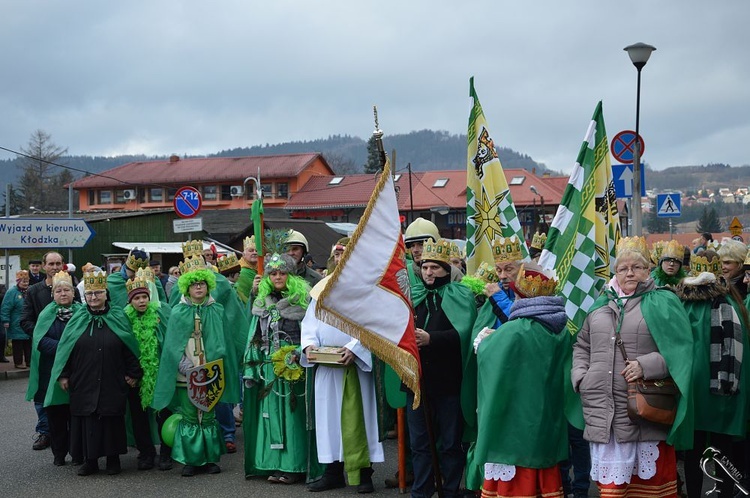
column 43, row 324
column 82, row 321
column 520, row 391
column 118, row 293
column 485, row 318
column 244, row 285
column 668, row 323
column 218, row 341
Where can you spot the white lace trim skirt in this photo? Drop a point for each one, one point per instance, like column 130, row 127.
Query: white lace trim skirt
column 499, row 471
column 616, row 463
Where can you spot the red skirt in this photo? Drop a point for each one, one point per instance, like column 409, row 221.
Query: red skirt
column 662, row 485
column 526, row 483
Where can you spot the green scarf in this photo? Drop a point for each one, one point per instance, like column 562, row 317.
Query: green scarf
column 353, row 432
column 145, row 329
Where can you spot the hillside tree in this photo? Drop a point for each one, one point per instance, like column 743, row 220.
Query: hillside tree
column 373, row 164
column 655, row 224
column 42, row 183
column 709, row 221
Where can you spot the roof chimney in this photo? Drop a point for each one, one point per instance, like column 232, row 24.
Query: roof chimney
column 174, row 158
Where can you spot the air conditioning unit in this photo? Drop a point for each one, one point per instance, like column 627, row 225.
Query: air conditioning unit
column 236, row 190
column 129, row 195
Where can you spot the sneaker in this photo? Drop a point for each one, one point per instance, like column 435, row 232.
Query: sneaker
column 274, row 478
column 231, row 447
column 290, row 477
column 41, row 442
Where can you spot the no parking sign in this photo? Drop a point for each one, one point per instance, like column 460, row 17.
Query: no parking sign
column 187, row 202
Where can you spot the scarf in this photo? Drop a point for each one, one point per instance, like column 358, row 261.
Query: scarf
column 725, row 349
column 64, row 313
column 144, row 330
column 660, row 275
column 547, row 310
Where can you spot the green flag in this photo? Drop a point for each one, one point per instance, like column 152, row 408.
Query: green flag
column 581, row 242
column 256, row 216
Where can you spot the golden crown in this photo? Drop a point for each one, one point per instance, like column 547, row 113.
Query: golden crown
column 248, row 243
column 747, row 259
column 456, row 251
column 667, row 249
column 507, row 249
column 227, row 262
column 192, row 248
column 487, row 273
column 61, row 277
column 538, row 241
column 134, row 263
column 633, row 244
column 146, row 274
column 535, row 285
column 137, row 282
column 94, row 280
column 700, row 264
column 192, row 263
column 437, row 251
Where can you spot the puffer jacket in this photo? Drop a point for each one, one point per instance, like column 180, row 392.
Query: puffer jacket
column 597, row 363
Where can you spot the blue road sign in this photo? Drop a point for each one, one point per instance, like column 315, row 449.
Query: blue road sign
column 623, row 146
column 187, row 202
column 668, row 205
column 33, row 233
column 622, row 176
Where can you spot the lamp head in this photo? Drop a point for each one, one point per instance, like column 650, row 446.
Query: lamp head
column 533, row 189
column 639, row 54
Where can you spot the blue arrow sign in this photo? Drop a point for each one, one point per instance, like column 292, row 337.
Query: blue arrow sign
column 35, row 233
column 622, row 176
column 668, row 205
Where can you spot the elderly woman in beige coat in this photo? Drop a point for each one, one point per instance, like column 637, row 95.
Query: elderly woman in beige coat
column 652, row 325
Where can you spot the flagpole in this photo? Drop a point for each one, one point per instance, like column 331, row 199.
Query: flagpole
column 378, row 134
column 261, row 243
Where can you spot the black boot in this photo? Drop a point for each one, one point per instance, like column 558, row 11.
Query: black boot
column 165, row 458
column 113, row 465
column 89, row 467
column 333, row 478
column 365, row 481
column 145, row 462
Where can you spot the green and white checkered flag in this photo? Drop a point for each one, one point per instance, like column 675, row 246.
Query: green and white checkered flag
column 582, row 239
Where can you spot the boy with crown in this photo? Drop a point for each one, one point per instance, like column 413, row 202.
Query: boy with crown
column 199, row 367
column 444, row 315
column 96, row 362
column 149, row 321
column 118, row 294
column 524, row 361
column 668, row 257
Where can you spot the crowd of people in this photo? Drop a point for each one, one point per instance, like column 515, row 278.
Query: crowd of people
column 514, row 402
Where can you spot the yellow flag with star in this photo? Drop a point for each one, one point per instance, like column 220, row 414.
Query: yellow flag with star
column 490, row 212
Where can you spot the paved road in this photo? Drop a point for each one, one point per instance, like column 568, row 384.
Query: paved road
column 28, row 474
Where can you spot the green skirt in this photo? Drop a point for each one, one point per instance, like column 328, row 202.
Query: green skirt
column 197, row 441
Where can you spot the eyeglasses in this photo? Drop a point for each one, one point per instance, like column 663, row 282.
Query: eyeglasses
column 627, row 269
column 673, row 261
column 94, row 293
column 200, row 283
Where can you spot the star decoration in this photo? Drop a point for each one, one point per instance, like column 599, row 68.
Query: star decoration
column 487, row 218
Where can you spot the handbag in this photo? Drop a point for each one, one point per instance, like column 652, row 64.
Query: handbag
column 651, row 400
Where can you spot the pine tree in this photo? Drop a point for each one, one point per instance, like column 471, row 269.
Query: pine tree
column 40, row 181
column 655, row 224
column 373, row 164
column 709, row 221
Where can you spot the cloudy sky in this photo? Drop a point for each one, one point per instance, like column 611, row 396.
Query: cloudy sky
column 196, row 77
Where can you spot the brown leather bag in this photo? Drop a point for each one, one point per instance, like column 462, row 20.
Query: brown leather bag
column 653, row 400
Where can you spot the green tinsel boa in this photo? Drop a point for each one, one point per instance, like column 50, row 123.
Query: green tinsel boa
column 662, row 278
column 144, row 330
column 476, row 285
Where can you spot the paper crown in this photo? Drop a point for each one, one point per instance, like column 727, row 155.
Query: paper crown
column 137, row 258
column 437, row 251
column 22, row 275
column 94, row 280
column 192, row 248
column 228, row 263
column 534, row 283
column 507, row 249
column 700, row 264
column 146, row 273
column 538, row 241
column 61, row 277
column 486, row 273
column 248, row 243
column 192, row 263
column 136, row 283
column 747, row 260
column 666, row 249
column 633, row 244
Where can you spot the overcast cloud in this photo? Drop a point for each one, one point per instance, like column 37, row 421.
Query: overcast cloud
column 169, row 76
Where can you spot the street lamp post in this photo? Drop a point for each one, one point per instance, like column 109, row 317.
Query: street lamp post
column 639, row 54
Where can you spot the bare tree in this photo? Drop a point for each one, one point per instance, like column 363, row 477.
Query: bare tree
column 41, row 182
column 341, row 164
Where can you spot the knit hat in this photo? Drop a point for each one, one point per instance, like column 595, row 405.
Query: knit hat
column 137, row 285
column 22, row 275
column 280, row 262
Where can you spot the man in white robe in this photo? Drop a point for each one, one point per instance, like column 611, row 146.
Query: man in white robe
column 329, row 393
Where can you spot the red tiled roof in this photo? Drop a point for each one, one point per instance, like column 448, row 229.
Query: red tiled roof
column 198, row 170
column 355, row 190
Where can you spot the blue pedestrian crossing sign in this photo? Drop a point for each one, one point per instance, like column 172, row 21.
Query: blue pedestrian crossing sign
column 668, row 205
column 622, row 177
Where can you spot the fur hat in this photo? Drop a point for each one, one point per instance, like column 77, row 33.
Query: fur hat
column 280, row 262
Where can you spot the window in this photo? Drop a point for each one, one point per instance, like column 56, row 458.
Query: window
column 440, row 183
column 156, row 195
column 210, row 192
column 267, row 189
column 105, row 197
column 119, row 196
column 92, row 197
column 517, row 180
column 336, row 180
column 171, row 192
column 226, row 194
column 282, row 190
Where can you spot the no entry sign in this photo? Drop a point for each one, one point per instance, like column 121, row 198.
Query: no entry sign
column 623, row 146
column 187, row 202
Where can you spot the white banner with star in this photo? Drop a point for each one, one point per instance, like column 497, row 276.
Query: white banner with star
column 490, row 212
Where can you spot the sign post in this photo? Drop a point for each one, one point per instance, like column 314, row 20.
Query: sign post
column 37, row 233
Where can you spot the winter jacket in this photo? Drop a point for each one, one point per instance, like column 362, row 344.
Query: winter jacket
column 597, row 363
column 11, row 311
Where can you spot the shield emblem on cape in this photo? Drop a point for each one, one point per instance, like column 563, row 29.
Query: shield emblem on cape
column 205, row 384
